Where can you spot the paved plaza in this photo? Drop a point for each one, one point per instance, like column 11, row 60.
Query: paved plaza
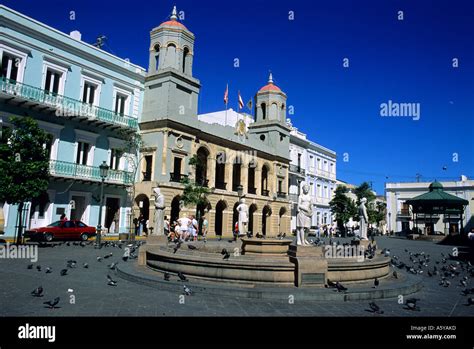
column 92, row 296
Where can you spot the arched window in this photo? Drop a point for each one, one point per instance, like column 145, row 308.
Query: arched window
column 185, row 57
column 157, row 56
column 171, row 55
column 264, row 111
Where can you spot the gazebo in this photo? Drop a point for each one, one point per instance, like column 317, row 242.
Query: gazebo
column 430, row 205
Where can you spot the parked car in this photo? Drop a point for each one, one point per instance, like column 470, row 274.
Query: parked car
column 62, row 230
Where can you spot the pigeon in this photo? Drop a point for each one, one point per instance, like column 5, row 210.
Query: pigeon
column 259, row 236
column 38, row 267
column 30, row 266
column 112, row 266
column 52, row 304
column 182, row 277
column 330, row 284
column 111, row 282
column 340, row 288
column 192, row 247
column 470, row 301
column 395, row 274
column 225, row 253
column 85, row 265
column 177, row 246
column 49, row 270
column 375, row 308
column 187, row 290
column 411, row 304
column 99, row 259
column 376, row 283
column 125, row 256
column 63, row 272
column 37, row 292
column 166, row 276
column 447, row 283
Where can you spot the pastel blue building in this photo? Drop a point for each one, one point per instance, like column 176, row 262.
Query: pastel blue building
column 89, row 102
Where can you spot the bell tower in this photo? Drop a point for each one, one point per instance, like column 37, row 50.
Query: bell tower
column 171, row 90
column 270, row 117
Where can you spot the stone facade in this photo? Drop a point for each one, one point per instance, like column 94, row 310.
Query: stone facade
column 253, row 162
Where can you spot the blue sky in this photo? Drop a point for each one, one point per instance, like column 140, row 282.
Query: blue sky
column 407, row 61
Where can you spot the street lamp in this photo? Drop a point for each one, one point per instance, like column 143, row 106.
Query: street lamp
column 104, row 170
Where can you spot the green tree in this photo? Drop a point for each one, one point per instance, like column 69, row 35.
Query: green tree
column 24, row 165
column 365, row 191
column 195, row 194
column 342, row 207
column 380, row 212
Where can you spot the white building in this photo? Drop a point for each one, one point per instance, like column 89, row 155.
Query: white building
column 315, row 165
column 399, row 215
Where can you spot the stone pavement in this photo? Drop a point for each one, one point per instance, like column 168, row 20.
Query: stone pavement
column 93, row 297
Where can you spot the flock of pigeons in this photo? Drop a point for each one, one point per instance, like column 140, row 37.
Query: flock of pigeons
column 129, row 252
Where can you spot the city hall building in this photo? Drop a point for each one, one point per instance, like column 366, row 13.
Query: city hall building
column 88, row 101
column 238, row 155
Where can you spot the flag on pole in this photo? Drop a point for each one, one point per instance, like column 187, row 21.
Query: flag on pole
column 249, row 104
column 241, row 102
column 226, row 95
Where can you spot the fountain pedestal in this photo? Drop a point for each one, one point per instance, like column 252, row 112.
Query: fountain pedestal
column 311, row 266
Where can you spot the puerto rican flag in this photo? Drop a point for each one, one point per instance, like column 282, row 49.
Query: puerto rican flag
column 226, row 95
column 241, row 102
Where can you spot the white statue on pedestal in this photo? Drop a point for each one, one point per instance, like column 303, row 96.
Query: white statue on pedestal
column 303, row 219
column 243, row 210
column 363, row 219
column 159, row 212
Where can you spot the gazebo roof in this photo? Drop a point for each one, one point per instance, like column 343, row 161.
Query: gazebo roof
column 437, row 197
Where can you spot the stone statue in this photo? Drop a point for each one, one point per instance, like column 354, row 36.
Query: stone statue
column 243, row 210
column 303, row 219
column 363, row 219
column 159, row 212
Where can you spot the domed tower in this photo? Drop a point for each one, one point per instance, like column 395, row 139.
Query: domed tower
column 170, row 88
column 270, row 117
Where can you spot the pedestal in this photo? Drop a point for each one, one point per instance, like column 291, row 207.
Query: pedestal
column 310, row 265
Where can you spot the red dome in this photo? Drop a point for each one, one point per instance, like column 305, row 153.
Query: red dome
column 270, row 87
column 173, row 23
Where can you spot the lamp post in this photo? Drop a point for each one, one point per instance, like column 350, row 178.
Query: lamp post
column 104, row 170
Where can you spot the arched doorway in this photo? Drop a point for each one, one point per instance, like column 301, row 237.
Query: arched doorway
column 235, row 216
column 175, row 209
column 266, row 212
column 252, row 225
column 219, row 221
column 142, row 210
column 280, row 218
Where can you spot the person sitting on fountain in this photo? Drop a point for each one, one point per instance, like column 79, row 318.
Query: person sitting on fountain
column 183, row 228
column 303, row 219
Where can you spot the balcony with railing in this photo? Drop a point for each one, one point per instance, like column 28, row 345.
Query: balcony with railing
column 297, row 169
column 404, row 213
column 88, row 173
column 265, row 192
column 30, row 96
column 252, row 191
column 221, row 185
column 177, row 177
column 281, row 195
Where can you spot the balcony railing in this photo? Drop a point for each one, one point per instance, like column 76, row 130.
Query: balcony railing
column 297, row 169
column 252, row 191
column 65, row 106
column 265, row 192
column 281, row 195
column 177, row 177
column 92, row 173
column 404, row 213
column 221, row 185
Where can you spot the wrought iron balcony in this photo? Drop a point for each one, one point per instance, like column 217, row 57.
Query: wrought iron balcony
column 297, row 169
column 221, row 185
column 177, row 177
column 90, row 173
column 64, row 106
column 265, row 192
column 281, row 195
column 404, row 213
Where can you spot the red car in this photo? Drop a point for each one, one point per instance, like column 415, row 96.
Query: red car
column 62, row 230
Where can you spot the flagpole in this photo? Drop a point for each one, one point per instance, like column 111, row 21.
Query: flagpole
column 226, row 102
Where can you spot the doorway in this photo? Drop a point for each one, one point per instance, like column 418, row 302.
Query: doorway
column 112, row 215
